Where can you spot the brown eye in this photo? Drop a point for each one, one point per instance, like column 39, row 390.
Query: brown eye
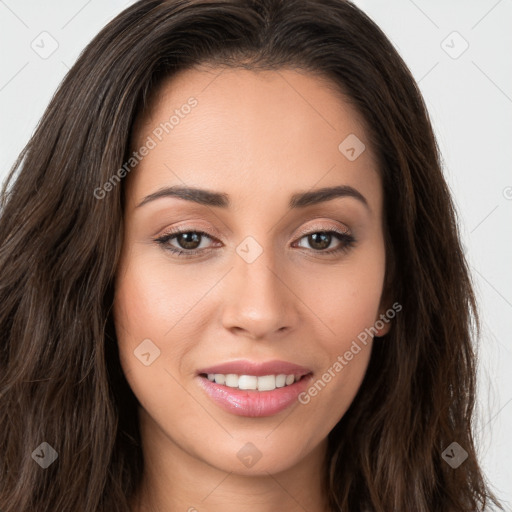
column 319, row 241
column 188, row 240
column 187, row 243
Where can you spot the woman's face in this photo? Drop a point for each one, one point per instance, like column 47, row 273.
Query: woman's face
column 284, row 281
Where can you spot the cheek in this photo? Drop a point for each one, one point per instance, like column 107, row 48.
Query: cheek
column 153, row 296
column 348, row 306
column 161, row 308
column 151, row 318
column 347, row 297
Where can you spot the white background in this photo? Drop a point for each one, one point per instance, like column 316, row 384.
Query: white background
column 469, row 97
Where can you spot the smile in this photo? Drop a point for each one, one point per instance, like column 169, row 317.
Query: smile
column 245, row 388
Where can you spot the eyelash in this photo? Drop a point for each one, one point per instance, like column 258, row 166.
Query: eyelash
column 347, row 241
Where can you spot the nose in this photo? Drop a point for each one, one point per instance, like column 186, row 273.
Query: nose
column 259, row 301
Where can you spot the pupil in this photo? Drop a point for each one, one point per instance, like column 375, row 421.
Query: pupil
column 191, row 240
column 320, row 240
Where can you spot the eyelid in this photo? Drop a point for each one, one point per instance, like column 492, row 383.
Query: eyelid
column 319, row 227
column 210, row 231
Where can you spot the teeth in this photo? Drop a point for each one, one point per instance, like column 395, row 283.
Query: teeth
column 267, row 383
column 252, row 382
column 280, row 381
column 247, row 382
column 231, row 380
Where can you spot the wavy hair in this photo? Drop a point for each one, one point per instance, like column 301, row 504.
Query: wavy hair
column 60, row 377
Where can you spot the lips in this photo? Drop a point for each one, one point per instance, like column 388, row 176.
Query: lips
column 235, row 386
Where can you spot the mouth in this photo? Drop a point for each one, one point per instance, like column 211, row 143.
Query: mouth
column 252, row 389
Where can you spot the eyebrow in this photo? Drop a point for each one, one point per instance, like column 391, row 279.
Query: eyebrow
column 221, row 200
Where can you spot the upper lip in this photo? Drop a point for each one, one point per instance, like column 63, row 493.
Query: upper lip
column 258, row 369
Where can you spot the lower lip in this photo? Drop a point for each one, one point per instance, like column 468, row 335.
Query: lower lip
column 254, row 403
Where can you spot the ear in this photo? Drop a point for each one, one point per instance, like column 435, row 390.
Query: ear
column 383, row 322
column 387, row 309
column 387, row 312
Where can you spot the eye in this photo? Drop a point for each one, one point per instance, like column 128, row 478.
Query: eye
column 321, row 240
column 189, row 242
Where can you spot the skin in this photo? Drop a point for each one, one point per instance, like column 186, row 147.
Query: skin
column 258, row 137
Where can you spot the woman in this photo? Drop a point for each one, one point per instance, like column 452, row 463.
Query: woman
column 231, row 276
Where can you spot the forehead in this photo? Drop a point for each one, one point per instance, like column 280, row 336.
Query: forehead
column 248, row 131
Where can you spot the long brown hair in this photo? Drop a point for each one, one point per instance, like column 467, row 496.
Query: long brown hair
column 60, row 377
